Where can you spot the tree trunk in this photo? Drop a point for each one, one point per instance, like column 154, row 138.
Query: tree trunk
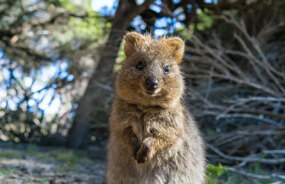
column 93, row 107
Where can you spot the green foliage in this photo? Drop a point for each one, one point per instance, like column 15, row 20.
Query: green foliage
column 213, row 172
column 34, row 152
column 66, row 157
column 6, row 172
column 120, row 59
column 62, row 155
column 205, row 20
column 68, row 4
column 91, row 27
column 45, row 182
column 10, row 154
column 183, row 32
column 74, row 6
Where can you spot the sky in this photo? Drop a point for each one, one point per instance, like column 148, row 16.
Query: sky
column 98, row 5
column 43, row 75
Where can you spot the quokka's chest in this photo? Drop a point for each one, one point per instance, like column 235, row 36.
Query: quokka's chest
column 152, row 124
column 148, row 126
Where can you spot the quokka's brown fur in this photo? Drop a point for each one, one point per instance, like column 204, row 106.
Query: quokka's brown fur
column 153, row 138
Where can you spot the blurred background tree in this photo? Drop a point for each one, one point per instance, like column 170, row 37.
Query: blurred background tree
column 48, row 50
column 58, row 60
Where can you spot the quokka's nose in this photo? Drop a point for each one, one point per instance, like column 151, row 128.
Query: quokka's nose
column 151, row 84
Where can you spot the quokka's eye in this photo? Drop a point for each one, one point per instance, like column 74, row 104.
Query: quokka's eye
column 139, row 65
column 166, row 69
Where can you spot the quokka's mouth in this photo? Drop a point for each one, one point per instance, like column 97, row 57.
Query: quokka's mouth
column 152, row 93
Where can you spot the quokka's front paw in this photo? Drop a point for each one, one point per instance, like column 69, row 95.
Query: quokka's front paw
column 145, row 152
column 135, row 146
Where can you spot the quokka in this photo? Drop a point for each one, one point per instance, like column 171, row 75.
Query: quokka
column 153, row 138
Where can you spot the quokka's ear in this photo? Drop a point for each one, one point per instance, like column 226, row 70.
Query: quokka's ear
column 132, row 40
column 176, row 46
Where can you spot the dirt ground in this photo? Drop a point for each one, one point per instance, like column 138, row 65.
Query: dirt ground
column 30, row 164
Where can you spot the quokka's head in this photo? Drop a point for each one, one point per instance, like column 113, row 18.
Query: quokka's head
column 150, row 75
